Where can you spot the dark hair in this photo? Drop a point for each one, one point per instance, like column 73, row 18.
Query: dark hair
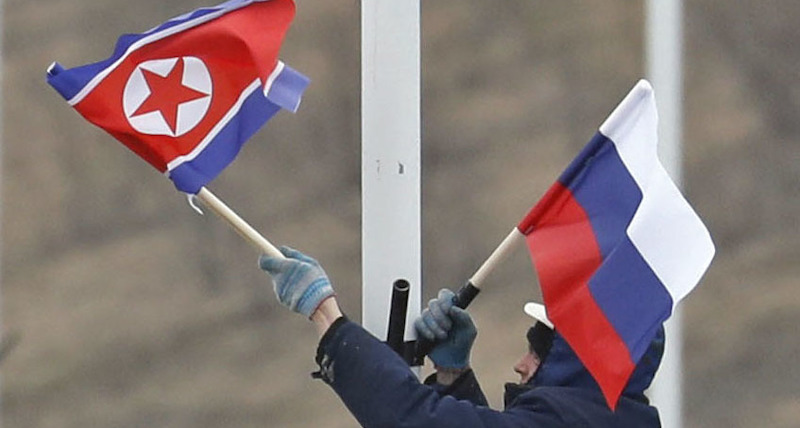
column 540, row 339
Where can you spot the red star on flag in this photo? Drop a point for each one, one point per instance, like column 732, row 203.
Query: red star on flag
column 167, row 93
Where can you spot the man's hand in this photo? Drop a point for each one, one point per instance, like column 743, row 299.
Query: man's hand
column 451, row 328
column 299, row 281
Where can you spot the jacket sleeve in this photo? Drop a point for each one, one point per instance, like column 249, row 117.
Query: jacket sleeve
column 380, row 390
column 466, row 387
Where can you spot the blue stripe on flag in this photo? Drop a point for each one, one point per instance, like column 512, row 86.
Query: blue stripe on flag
column 190, row 176
column 287, row 89
column 630, row 295
column 602, row 185
column 625, row 287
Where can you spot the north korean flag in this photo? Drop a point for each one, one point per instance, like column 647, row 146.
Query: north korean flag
column 186, row 95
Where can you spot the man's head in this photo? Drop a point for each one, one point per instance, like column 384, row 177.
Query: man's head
column 540, row 339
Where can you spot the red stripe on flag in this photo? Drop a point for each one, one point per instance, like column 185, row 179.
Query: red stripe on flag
column 237, row 48
column 566, row 255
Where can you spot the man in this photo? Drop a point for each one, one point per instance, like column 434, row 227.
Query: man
column 380, row 390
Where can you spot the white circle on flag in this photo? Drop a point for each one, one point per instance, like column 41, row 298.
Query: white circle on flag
column 196, row 77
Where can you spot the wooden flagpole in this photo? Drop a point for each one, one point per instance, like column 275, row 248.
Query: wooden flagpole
column 468, row 291
column 237, row 223
column 514, row 238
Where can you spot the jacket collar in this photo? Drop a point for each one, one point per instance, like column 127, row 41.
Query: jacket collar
column 562, row 367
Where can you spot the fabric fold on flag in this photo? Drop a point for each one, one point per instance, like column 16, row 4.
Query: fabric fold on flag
column 186, row 95
column 615, row 244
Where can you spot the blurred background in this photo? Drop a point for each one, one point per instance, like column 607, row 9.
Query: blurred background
column 123, row 308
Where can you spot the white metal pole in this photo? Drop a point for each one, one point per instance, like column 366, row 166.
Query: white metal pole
column 390, row 175
column 664, row 68
column 2, row 20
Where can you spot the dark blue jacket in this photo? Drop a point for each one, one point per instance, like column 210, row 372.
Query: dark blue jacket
column 380, row 390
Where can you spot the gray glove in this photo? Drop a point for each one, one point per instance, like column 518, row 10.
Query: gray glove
column 299, row 281
column 450, row 327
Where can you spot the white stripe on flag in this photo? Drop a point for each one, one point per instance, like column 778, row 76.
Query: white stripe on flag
column 272, row 76
column 665, row 229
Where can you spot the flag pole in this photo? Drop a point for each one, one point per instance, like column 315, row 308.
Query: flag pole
column 391, row 238
column 664, row 44
column 467, row 292
column 514, row 238
column 237, row 223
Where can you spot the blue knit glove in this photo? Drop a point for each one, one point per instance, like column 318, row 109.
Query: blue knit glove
column 299, row 281
column 450, row 327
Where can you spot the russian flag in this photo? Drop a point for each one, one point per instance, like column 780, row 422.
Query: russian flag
column 616, row 245
column 187, row 94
